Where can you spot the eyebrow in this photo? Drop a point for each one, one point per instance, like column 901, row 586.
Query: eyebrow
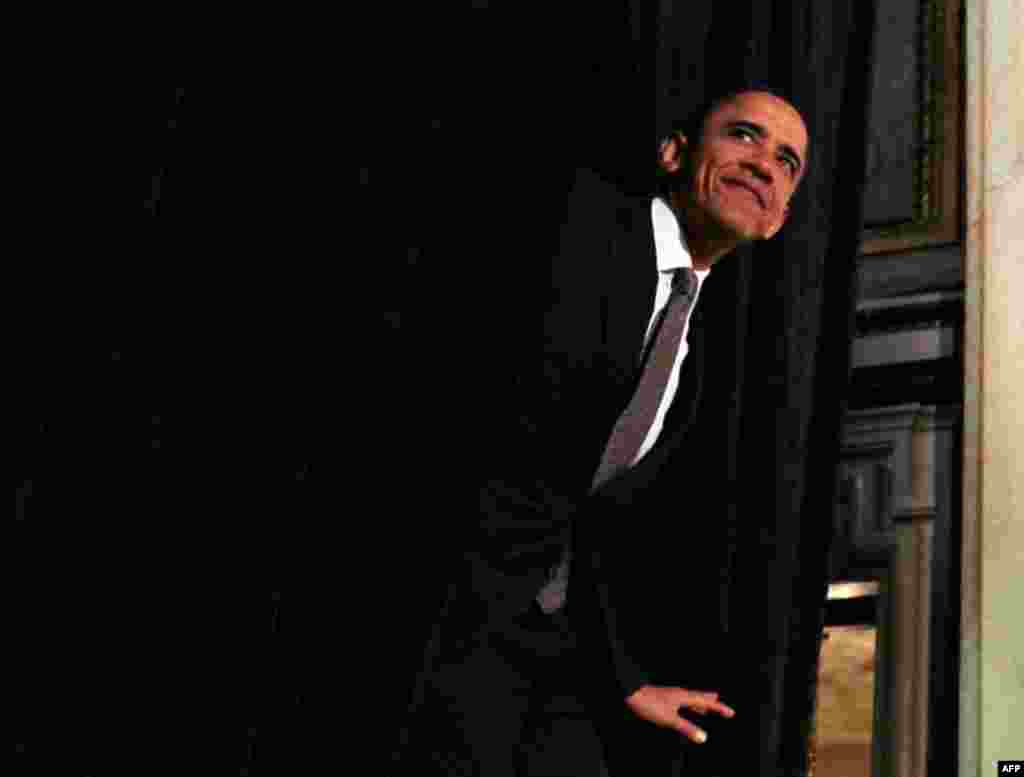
column 761, row 132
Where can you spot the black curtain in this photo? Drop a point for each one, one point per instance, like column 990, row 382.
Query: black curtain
column 783, row 396
column 534, row 94
column 240, row 478
column 153, row 451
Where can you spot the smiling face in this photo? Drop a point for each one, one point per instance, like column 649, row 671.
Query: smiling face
column 735, row 184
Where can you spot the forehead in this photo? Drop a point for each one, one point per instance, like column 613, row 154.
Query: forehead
column 782, row 121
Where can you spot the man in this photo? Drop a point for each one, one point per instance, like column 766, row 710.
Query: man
column 559, row 651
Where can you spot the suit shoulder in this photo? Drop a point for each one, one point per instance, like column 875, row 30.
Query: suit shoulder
column 598, row 207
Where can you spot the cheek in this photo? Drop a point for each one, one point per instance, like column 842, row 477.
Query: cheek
column 707, row 182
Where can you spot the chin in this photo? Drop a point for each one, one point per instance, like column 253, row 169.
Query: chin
column 743, row 231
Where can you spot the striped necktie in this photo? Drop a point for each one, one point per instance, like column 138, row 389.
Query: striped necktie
column 635, row 423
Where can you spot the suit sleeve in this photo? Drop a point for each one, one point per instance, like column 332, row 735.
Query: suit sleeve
column 642, row 541
column 518, row 410
column 546, row 440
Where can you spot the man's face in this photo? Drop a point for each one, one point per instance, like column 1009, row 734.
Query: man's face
column 742, row 173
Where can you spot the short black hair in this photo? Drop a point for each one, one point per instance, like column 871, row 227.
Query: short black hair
column 692, row 124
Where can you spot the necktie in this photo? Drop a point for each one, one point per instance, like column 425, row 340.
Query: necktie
column 635, row 423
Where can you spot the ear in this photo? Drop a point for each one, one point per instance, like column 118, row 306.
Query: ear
column 672, row 152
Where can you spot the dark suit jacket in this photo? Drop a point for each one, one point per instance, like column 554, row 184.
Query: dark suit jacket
column 551, row 383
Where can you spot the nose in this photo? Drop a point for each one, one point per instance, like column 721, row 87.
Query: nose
column 759, row 165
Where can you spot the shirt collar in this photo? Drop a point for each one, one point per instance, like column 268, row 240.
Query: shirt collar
column 669, row 241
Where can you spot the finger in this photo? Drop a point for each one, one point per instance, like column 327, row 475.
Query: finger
column 698, row 709
column 722, row 709
column 704, row 700
column 702, row 706
column 693, row 733
column 703, row 694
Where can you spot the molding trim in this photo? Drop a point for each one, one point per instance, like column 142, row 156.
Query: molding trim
column 936, row 381
column 921, row 311
column 938, row 268
column 937, row 175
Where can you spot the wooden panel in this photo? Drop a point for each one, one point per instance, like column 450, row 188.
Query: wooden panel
column 914, row 154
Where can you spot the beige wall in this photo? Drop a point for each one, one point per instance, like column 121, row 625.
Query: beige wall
column 992, row 667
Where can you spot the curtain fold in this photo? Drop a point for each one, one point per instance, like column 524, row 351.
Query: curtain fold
column 504, row 105
column 786, row 307
column 526, row 96
column 606, row 85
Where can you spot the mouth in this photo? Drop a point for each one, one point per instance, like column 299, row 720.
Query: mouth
column 741, row 184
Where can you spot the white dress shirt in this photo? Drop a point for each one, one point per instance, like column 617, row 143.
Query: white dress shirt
column 672, row 253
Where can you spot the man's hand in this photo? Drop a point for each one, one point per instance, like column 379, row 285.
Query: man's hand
column 661, row 706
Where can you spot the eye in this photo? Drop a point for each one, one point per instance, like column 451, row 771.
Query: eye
column 744, row 134
column 790, row 163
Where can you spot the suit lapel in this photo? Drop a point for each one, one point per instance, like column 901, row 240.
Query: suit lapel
column 632, row 280
column 684, row 405
column 678, row 421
